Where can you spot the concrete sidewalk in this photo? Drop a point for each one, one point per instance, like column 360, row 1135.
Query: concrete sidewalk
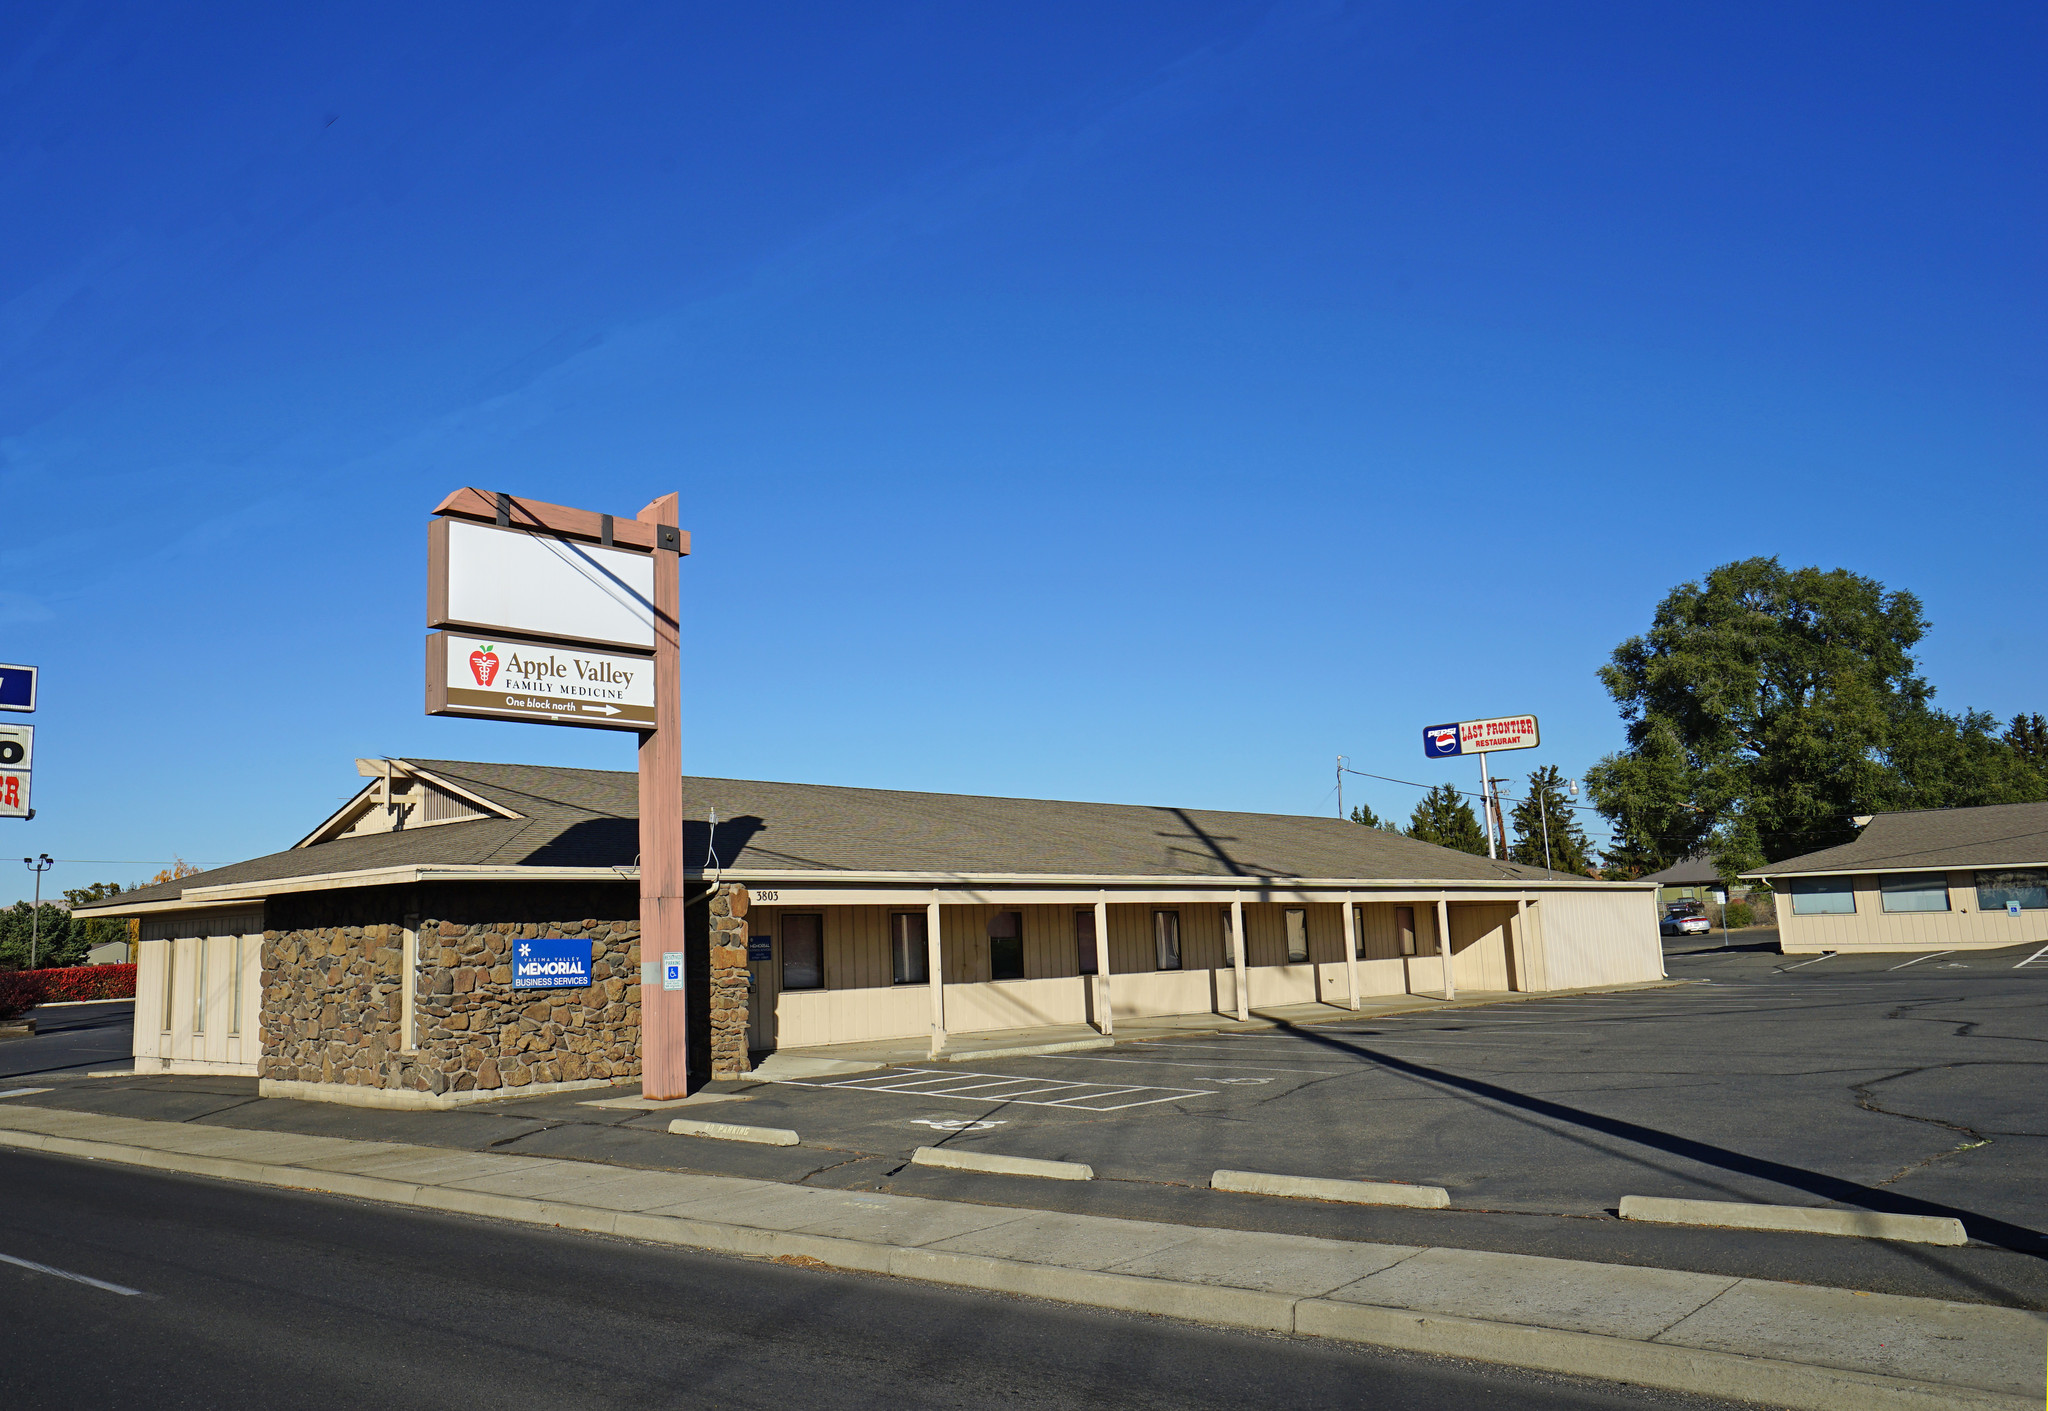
column 1783, row 1344
column 826, row 1059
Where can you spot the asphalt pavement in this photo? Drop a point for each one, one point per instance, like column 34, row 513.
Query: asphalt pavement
column 73, row 1038
column 125, row 1288
column 1887, row 1082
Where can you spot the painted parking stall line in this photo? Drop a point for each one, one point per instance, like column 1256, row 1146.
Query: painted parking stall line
column 2032, row 958
column 998, row 1087
column 1198, row 1063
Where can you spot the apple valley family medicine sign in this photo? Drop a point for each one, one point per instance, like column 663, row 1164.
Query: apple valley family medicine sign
column 558, row 631
column 500, row 676
column 558, row 616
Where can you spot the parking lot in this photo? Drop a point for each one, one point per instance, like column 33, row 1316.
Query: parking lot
column 1898, row 1082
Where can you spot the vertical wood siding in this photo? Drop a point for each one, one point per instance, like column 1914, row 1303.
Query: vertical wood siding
column 1600, row 938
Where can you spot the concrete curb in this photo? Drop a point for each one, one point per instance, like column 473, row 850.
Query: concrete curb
column 732, row 1132
column 1801, row 1386
column 1869, row 1224
column 1022, row 1050
column 346, row 1095
column 1324, row 1188
column 1002, row 1165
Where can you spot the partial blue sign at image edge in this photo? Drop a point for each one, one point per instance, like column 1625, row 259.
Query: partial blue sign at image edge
column 17, row 687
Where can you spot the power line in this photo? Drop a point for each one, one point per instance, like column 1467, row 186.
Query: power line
column 1780, row 834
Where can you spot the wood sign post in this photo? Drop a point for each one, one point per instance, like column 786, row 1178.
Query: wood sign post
column 577, row 605
column 664, row 1023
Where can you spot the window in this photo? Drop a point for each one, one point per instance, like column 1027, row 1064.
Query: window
column 199, row 988
column 1229, row 939
column 1924, row 891
column 1823, row 896
column 1084, row 942
column 1006, row 946
column 909, row 947
column 170, row 969
column 803, row 951
column 1297, row 934
column 1166, row 939
column 1358, row 930
column 235, row 1012
column 1996, row 889
column 1404, row 925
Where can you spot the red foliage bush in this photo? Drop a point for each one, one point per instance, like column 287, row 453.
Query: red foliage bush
column 24, row 989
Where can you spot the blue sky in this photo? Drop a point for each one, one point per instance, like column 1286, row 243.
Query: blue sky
column 1141, row 402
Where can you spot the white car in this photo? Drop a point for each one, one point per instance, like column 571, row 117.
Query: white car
column 1685, row 925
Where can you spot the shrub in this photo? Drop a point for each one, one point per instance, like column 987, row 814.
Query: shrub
column 1739, row 914
column 24, row 989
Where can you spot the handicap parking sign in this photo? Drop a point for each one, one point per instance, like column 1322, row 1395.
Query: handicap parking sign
column 672, row 970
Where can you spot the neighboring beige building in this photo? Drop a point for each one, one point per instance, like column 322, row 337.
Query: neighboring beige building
column 1937, row 879
column 376, row 952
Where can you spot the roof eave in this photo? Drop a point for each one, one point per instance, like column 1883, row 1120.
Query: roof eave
column 1863, row 868
column 211, row 898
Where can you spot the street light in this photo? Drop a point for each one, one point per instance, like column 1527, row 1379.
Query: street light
column 39, row 864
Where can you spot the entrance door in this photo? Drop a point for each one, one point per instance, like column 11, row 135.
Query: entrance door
column 763, row 985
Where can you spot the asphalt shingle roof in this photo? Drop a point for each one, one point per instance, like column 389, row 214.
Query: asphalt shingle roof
column 1995, row 835
column 1686, row 872
column 590, row 818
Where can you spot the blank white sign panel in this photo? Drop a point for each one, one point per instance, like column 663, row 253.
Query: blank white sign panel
column 510, row 580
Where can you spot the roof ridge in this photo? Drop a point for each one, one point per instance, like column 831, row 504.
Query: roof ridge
column 626, row 774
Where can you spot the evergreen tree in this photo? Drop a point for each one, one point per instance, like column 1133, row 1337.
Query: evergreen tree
column 1547, row 803
column 2028, row 737
column 1444, row 818
column 1363, row 814
column 44, row 932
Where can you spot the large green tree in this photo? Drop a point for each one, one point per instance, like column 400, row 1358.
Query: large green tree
column 43, row 934
column 96, row 932
column 1444, row 818
column 1768, row 707
column 1548, row 806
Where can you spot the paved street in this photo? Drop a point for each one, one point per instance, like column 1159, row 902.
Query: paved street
column 72, row 1038
column 217, row 1296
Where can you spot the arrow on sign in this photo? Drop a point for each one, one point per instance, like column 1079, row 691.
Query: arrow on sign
column 603, row 710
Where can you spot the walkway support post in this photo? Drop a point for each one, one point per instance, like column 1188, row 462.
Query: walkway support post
column 664, row 1013
column 935, row 974
column 1443, row 945
column 1244, row 989
column 1351, row 947
column 1105, row 1016
column 1519, row 980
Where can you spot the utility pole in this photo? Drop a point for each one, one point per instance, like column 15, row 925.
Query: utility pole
column 1340, row 787
column 1486, row 803
column 39, row 864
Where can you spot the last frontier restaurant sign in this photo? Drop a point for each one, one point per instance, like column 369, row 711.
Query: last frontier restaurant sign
column 551, row 963
column 508, row 679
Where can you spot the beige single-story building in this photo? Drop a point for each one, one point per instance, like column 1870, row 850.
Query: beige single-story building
column 379, row 951
column 1935, row 879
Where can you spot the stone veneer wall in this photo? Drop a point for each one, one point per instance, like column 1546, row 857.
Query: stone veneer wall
column 730, row 1019
column 333, row 969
